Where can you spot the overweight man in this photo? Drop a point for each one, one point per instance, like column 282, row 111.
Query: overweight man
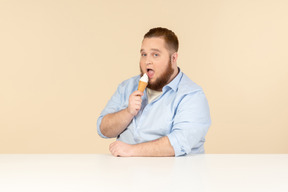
column 170, row 118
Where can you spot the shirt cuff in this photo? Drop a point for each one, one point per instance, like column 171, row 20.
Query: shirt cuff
column 178, row 150
column 98, row 128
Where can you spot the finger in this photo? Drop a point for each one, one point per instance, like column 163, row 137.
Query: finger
column 110, row 149
column 111, row 146
column 113, row 151
column 116, row 153
column 136, row 104
column 139, row 99
column 139, row 103
column 138, row 93
column 137, row 107
column 135, row 98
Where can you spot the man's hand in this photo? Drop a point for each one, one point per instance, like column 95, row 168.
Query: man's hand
column 115, row 123
column 121, row 149
column 135, row 101
column 157, row 148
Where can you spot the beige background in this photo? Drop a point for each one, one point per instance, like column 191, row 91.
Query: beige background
column 60, row 61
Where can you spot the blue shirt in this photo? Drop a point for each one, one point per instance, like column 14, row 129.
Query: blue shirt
column 181, row 113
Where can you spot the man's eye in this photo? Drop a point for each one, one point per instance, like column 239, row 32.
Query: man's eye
column 143, row 54
column 156, row 55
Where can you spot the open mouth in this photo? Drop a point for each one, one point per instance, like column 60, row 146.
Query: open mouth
column 150, row 73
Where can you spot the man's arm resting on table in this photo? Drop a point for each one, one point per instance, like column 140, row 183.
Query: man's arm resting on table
column 114, row 123
column 157, row 148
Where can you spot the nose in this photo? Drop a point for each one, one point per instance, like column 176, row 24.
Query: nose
column 148, row 60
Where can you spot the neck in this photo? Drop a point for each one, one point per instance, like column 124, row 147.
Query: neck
column 175, row 73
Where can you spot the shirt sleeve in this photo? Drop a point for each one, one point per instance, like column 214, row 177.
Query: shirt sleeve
column 115, row 104
column 191, row 123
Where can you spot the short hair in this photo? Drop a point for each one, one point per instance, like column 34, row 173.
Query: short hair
column 169, row 37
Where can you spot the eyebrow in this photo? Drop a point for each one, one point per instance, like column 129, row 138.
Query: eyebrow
column 152, row 50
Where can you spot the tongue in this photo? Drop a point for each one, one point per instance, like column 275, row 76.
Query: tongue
column 150, row 73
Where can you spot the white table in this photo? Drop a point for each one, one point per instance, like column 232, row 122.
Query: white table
column 101, row 172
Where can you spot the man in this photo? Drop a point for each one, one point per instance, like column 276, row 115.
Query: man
column 171, row 117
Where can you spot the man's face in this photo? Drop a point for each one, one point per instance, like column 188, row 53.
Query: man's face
column 156, row 62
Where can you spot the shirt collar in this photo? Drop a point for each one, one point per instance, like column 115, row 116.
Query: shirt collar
column 174, row 83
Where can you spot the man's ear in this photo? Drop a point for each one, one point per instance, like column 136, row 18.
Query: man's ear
column 174, row 58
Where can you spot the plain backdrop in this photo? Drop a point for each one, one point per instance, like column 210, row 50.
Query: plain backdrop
column 61, row 61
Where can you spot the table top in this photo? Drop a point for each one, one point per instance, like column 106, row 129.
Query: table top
column 103, row 172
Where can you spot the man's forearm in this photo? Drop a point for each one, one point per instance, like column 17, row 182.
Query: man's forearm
column 113, row 124
column 157, row 148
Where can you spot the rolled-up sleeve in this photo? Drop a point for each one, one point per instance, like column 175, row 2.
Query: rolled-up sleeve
column 191, row 123
column 115, row 104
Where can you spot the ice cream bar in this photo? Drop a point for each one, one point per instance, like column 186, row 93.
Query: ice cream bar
column 143, row 82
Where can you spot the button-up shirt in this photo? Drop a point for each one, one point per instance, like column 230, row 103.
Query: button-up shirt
column 181, row 113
